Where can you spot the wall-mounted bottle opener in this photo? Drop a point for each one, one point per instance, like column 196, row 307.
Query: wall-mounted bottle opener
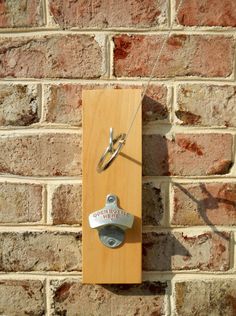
column 111, row 222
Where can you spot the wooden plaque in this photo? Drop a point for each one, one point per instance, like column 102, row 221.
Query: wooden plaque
column 102, row 109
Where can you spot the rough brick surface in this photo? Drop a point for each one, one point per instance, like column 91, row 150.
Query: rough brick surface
column 155, row 105
column 20, row 203
column 206, row 297
column 179, row 251
column 54, row 56
column 204, row 204
column 63, row 102
column 206, row 105
column 40, row 251
column 50, row 52
column 22, row 297
column 207, row 13
column 73, row 298
column 187, row 154
column 184, row 55
column 21, row 13
column 41, row 155
column 103, row 14
column 153, row 198
column 19, row 105
column 67, row 204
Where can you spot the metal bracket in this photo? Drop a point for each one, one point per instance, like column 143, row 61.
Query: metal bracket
column 111, row 222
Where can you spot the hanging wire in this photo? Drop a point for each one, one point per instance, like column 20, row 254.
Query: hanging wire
column 153, row 71
column 121, row 139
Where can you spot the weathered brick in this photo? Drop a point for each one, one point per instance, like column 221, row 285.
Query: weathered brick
column 19, row 104
column 41, row 155
column 204, row 204
column 205, row 297
column 73, row 298
column 52, row 56
column 20, row 203
column 155, row 105
column 22, row 297
column 21, row 13
column 67, row 204
column 207, row 13
column 187, row 154
column 183, row 55
column 206, row 105
column 63, row 102
column 40, row 251
column 179, row 251
column 101, row 14
column 153, row 204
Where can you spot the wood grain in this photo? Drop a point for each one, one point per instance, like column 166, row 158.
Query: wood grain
column 102, row 109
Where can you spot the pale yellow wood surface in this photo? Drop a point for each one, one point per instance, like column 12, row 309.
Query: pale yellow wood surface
column 102, row 109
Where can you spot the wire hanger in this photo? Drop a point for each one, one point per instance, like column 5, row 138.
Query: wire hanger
column 121, row 139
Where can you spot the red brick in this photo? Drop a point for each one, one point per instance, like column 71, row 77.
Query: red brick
column 103, row 14
column 204, row 204
column 187, row 154
column 206, row 297
column 67, row 204
column 21, row 13
column 63, row 102
column 40, row 251
column 155, row 104
column 207, row 13
column 19, row 104
column 54, row 154
column 183, row 55
column 75, row 298
column 180, row 251
column 22, row 297
column 153, row 199
column 20, row 202
column 206, row 105
column 52, row 56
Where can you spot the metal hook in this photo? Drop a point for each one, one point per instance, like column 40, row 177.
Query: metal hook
column 111, row 140
column 120, row 139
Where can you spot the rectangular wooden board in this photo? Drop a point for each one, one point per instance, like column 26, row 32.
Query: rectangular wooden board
column 102, row 109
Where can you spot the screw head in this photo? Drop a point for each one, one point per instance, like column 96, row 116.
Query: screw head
column 111, row 198
column 111, row 242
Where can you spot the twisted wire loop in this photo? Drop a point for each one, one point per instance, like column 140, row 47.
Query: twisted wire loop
column 111, row 151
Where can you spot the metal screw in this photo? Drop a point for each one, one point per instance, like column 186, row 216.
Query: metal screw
column 111, row 198
column 111, row 242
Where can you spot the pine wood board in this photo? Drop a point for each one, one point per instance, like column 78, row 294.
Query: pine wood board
column 102, row 109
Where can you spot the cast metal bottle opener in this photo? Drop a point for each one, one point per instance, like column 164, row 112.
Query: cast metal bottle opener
column 111, row 222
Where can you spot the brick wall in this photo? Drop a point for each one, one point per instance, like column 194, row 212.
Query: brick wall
column 49, row 51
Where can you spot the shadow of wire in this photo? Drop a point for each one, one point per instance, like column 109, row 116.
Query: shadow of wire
column 203, row 205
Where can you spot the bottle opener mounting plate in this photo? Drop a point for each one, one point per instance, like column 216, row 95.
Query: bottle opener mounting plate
column 111, row 222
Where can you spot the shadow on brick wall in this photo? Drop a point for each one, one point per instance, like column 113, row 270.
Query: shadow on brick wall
column 205, row 205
